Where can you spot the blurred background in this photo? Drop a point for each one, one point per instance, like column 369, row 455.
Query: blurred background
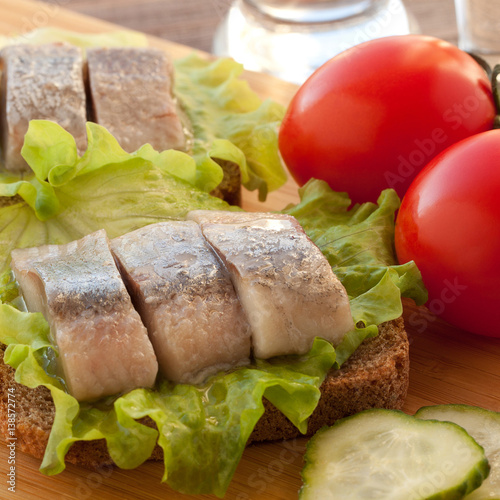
column 194, row 22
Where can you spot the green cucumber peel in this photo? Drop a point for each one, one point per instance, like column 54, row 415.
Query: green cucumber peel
column 387, row 454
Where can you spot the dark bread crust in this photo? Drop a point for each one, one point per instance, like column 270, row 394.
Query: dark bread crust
column 230, row 187
column 376, row 376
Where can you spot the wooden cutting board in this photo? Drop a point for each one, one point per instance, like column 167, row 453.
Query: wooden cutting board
column 447, row 364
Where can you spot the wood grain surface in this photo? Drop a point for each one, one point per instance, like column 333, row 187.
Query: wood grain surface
column 193, row 22
column 447, row 365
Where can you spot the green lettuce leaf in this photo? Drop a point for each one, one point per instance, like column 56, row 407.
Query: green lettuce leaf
column 204, row 430
column 222, row 108
column 52, row 155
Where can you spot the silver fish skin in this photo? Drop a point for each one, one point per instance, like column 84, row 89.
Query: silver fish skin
column 103, row 345
column 42, row 82
column 229, row 217
column 286, row 286
column 131, row 91
column 186, row 300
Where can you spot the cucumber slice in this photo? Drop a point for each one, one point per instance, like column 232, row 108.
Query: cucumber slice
column 388, row 455
column 484, row 426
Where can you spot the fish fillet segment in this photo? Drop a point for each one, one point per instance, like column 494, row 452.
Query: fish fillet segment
column 131, row 91
column 286, row 286
column 44, row 83
column 186, row 300
column 103, row 345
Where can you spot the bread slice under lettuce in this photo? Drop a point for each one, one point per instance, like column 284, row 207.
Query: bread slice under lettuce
column 375, row 376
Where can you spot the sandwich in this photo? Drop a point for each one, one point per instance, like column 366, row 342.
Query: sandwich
column 195, row 408
column 161, row 265
column 178, row 416
column 204, row 110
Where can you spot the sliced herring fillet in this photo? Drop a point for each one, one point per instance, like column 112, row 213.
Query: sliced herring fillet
column 186, row 299
column 103, row 346
column 42, row 82
column 286, row 286
column 131, row 93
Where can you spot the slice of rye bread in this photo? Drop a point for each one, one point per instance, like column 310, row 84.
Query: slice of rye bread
column 375, row 376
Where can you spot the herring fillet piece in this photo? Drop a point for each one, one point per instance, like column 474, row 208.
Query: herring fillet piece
column 42, row 82
column 131, row 92
column 286, row 286
column 103, row 346
column 186, row 300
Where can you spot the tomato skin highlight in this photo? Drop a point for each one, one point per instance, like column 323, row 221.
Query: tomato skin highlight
column 375, row 115
column 449, row 224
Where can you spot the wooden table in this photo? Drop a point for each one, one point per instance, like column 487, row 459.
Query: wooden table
column 193, row 22
column 447, row 364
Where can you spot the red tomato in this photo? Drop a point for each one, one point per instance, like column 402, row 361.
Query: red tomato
column 449, row 224
column 375, row 115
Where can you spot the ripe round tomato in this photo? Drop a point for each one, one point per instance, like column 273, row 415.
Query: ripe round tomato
column 449, row 224
column 375, row 115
